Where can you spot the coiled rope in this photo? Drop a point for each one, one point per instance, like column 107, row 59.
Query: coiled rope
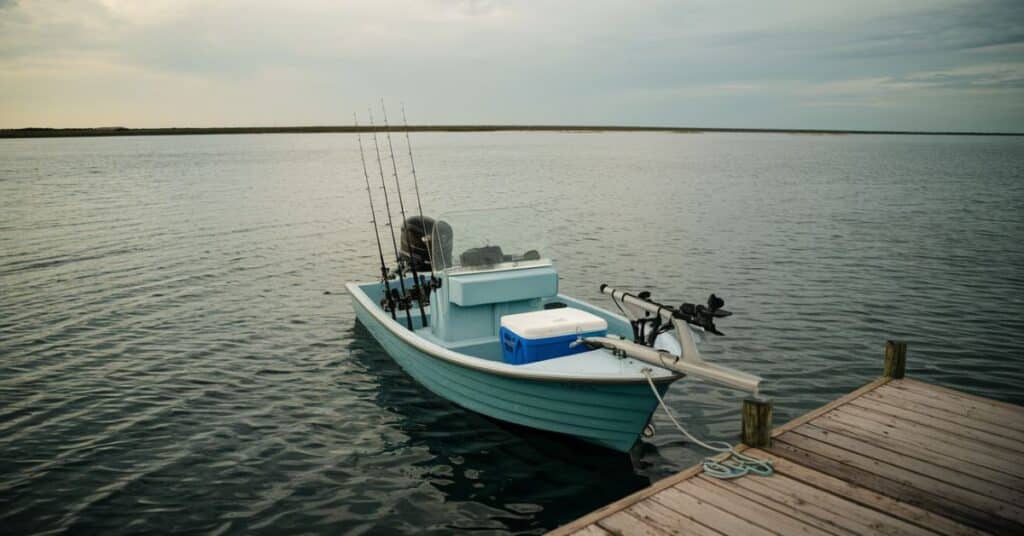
column 735, row 465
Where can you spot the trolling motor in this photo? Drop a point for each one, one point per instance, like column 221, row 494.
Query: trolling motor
column 646, row 328
column 650, row 319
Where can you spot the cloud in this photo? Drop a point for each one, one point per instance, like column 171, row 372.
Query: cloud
column 984, row 78
column 796, row 63
column 996, row 76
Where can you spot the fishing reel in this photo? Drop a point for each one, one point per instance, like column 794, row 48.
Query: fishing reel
column 703, row 315
column 394, row 300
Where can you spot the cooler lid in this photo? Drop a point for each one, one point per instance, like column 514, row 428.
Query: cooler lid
column 553, row 323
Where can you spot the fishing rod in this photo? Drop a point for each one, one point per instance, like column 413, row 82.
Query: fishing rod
column 376, row 231
column 419, row 205
column 401, row 205
column 394, row 244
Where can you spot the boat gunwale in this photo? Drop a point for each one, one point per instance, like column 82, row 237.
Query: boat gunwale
column 484, row 365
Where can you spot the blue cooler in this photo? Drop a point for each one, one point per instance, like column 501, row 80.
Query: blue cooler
column 540, row 335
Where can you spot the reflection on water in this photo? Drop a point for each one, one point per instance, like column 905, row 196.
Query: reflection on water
column 177, row 351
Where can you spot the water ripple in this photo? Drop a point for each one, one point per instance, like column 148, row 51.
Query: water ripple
column 178, row 353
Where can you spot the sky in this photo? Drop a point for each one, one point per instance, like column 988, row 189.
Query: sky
column 947, row 65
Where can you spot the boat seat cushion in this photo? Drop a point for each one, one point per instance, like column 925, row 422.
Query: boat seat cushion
column 501, row 286
column 484, row 256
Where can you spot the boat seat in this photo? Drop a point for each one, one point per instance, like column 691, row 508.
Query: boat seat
column 491, row 255
column 482, row 288
column 484, row 256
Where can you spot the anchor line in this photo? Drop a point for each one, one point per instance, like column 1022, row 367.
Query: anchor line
column 404, row 299
column 373, row 219
column 735, row 465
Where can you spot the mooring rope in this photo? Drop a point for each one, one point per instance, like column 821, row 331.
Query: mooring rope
column 735, row 465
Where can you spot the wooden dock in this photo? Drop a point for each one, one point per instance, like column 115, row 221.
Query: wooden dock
column 896, row 456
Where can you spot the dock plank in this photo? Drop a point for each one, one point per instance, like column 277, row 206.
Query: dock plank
column 889, row 467
column 592, row 530
column 950, row 454
column 1011, row 426
column 927, row 415
column 753, row 511
column 1008, row 424
column 833, row 513
column 943, row 473
column 898, row 489
column 668, row 520
column 911, row 383
column 853, row 395
column 798, row 508
column 898, row 457
column 707, row 514
column 864, row 496
column 622, row 522
column 933, row 427
column 961, row 398
column 629, row 500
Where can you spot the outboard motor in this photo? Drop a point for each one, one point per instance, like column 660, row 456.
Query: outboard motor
column 415, row 253
column 441, row 242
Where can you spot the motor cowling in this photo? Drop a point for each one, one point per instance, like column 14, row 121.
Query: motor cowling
column 415, row 248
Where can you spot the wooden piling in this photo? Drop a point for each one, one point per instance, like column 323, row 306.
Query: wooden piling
column 757, row 422
column 895, row 359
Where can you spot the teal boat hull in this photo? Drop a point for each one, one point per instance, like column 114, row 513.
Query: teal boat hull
column 606, row 413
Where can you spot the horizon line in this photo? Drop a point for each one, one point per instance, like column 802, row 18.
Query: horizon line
column 60, row 132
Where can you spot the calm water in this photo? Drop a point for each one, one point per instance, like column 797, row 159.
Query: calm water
column 177, row 352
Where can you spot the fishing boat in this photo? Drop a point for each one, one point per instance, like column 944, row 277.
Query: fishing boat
column 490, row 331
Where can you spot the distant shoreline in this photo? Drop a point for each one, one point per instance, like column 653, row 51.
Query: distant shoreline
column 123, row 131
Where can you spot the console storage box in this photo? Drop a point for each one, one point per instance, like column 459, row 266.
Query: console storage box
column 540, row 335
